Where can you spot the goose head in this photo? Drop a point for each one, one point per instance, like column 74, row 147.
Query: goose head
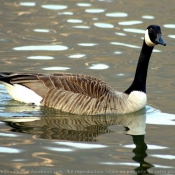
column 153, row 36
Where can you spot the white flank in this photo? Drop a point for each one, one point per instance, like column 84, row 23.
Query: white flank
column 22, row 93
column 147, row 39
column 138, row 100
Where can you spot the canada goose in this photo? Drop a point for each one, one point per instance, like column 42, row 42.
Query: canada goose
column 83, row 94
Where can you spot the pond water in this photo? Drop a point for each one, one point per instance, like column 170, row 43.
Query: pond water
column 101, row 38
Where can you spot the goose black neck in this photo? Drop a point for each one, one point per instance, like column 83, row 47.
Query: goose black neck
column 139, row 83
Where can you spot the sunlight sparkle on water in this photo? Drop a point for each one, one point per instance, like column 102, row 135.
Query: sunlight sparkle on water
column 81, row 27
column 30, row 4
column 40, row 57
column 117, row 14
column 103, row 25
column 41, row 30
column 99, row 66
column 59, row 149
column 148, row 17
column 74, row 21
column 44, row 47
column 171, row 36
column 83, row 4
column 123, row 44
column 56, row 68
column 87, row 44
column 82, row 145
column 8, row 135
column 172, row 26
column 162, row 156
column 127, row 23
column 120, row 34
column 65, row 13
column 77, row 56
column 94, row 10
column 9, row 150
column 134, row 30
column 54, row 7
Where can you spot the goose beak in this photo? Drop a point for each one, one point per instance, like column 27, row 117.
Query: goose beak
column 159, row 40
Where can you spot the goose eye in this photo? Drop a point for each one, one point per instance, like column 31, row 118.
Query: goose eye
column 150, row 30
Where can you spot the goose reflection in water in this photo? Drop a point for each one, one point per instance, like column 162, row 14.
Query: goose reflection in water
column 62, row 126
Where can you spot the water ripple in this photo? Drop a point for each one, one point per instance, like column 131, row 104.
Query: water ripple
column 169, row 26
column 82, row 145
column 41, row 30
column 81, row 27
column 77, row 56
column 83, row 4
column 54, row 7
column 171, row 36
column 118, row 14
column 123, row 44
column 148, row 17
column 134, row 30
column 94, row 10
column 99, row 66
column 44, row 47
column 120, row 34
column 74, row 21
column 9, row 150
column 103, row 25
column 170, row 157
column 27, row 4
column 65, row 13
column 41, row 57
column 59, row 149
column 127, row 23
column 87, row 44
column 8, row 135
column 56, row 68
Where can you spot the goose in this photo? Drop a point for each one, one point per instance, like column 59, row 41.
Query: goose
column 82, row 94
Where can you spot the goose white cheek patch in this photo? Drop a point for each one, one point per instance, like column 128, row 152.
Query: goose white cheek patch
column 147, row 39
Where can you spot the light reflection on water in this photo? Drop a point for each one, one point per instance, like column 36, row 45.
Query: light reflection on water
column 41, row 57
column 56, row 68
column 103, row 25
column 87, row 44
column 44, row 47
column 41, row 30
column 94, row 10
column 54, row 7
column 134, row 30
column 172, row 26
column 148, row 17
column 30, row 4
column 83, row 4
column 99, row 66
column 117, row 14
column 9, row 150
column 77, row 56
column 74, row 21
column 81, row 27
column 123, row 44
column 128, row 23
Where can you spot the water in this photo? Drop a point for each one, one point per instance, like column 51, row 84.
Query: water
column 100, row 38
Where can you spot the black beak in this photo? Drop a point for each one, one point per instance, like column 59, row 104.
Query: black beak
column 159, row 40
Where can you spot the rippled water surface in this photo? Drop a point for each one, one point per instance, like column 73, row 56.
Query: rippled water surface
column 101, row 38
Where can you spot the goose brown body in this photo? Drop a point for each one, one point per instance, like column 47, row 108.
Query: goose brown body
column 74, row 93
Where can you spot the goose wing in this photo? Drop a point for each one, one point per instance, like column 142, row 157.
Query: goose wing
column 65, row 91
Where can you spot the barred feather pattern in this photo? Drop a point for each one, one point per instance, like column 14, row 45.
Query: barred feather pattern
column 74, row 93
